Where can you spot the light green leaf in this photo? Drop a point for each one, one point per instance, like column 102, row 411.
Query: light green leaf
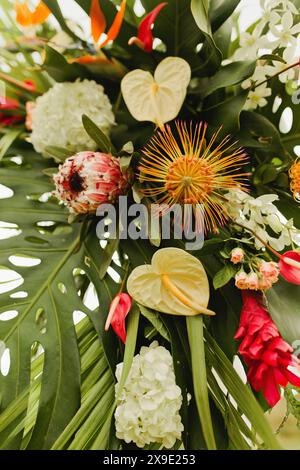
column 196, row 340
column 224, row 276
column 58, row 153
column 154, row 318
column 97, row 135
column 8, row 139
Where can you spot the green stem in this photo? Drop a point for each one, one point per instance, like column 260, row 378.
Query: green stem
column 196, row 340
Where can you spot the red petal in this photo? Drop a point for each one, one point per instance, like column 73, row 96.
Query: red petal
column 290, row 273
column 8, row 103
column 145, row 28
column 118, row 312
column 292, row 378
column 270, row 389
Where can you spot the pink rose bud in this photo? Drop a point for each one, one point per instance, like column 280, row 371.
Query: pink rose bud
column 264, row 284
column 253, row 281
column 241, row 280
column 237, row 255
column 270, row 271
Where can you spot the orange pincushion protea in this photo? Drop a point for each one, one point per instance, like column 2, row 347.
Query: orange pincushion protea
column 294, row 173
column 190, row 170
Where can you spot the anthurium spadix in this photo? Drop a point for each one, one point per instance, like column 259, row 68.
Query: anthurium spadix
column 157, row 98
column 175, row 283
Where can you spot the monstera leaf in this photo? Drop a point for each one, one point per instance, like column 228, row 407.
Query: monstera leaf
column 41, row 307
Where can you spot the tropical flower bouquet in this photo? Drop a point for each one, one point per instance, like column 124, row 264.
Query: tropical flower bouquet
column 150, row 224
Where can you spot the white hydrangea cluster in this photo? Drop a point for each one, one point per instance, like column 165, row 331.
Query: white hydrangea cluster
column 57, row 116
column 277, row 29
column 259, row 214
column 148, row 408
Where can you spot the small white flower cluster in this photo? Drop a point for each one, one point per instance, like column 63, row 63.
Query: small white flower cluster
column 276, row 30
column 259, row 214
column 149, row 405
column 57, row 116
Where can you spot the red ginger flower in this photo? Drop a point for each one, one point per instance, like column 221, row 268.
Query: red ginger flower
column 264, row 351
column 88, row 179
column 118, row 311
column 144, row 39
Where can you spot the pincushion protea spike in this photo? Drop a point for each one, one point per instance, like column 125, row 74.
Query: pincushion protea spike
column 189, row 170
column 88, row 179
column 294, row 174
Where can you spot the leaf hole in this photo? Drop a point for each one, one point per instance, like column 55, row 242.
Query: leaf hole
column 62, row 288
column 5, row 362
column 5, row 192
column 19, row 295
column 286, row 121
column 41, row 320
column 8, row 230
column 8, row 315
column 23, row 260
column 9, row 280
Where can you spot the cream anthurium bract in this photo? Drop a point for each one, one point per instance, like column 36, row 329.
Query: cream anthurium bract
column 175, row 283
column 159, row 98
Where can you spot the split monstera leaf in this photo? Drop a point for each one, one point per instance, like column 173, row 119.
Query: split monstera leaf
column 175, row 283
column 157, row 98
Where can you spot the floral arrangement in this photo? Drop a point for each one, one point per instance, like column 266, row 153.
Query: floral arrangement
column 151, row 217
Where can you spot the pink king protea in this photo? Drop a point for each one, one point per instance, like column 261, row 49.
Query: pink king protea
column 88, row 179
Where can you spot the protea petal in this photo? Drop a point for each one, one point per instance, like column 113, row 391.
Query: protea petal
column 288, row 267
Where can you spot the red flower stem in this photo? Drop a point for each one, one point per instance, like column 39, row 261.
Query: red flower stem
column 278, row 255
column 287, row 260
column 252, row 87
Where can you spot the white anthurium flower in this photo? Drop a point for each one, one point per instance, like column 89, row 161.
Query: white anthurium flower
column 157, row 98
column 285, row 31
column 175, row 283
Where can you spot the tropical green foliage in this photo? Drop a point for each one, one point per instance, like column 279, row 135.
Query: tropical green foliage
column 59, row 391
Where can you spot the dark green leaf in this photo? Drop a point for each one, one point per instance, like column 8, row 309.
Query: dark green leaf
column 55, row 9
column 59, row 68
column 220, row 11
column 284, row 307
column 229, row 75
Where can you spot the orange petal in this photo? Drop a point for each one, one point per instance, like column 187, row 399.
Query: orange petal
column 89, row 59
column 25, row 17
column 116, row 26
column 98, row 22
column 40, row 14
